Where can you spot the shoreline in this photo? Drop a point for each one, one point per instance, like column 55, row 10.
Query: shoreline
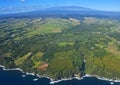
column 64, row 79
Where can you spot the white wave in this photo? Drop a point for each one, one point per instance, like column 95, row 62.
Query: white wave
column 111, row 83
column 64, row 79
column 35, row 79
column 23, row 75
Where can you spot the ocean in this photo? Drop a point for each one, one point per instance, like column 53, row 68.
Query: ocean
column 16, row 77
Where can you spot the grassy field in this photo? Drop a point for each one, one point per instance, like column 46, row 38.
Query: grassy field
column 22, row 59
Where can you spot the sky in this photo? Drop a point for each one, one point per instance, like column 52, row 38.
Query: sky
column 10, row 6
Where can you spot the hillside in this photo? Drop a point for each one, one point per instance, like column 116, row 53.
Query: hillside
column 61, row 47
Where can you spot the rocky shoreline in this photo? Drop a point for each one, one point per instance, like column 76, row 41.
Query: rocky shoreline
column 52, row 81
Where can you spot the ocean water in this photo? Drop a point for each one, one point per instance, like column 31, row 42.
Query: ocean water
column 19, row 78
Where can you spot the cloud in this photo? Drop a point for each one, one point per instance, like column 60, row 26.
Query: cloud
column 22, row 0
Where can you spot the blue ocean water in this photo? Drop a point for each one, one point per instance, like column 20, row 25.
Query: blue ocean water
column 19, row 78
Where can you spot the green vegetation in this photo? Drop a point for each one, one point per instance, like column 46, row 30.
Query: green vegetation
column 20, row 60
column 57, row 47
column 65, row 43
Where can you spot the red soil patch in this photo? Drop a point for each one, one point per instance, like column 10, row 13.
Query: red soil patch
column 43, row 66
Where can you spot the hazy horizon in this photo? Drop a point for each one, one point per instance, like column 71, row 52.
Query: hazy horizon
column 16, row 6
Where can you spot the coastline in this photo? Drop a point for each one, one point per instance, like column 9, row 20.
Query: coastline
column 64, row 79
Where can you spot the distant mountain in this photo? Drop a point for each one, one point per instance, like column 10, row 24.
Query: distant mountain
column 73, row 8
column 80, row 10
column 65, row 11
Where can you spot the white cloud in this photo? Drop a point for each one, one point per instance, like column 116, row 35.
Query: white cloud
column 22, row 0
